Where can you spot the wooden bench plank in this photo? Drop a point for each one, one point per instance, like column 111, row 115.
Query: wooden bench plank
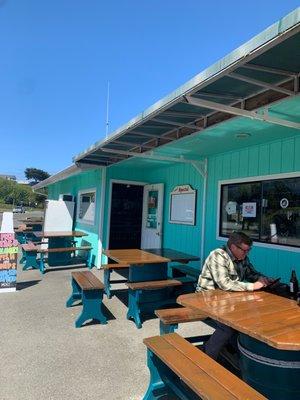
column 89, row 289
column 185, row 269
column 149, row 285
column 29, row 246
column 63, row 249
column 179, row 315
column 114, row 266
column 87, row 280
column 202, row 374
column 33, row 247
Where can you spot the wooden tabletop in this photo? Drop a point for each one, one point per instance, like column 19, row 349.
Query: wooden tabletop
column 31, row 220
column 54, row 234
column 271, row 319
column 134, row 256
column 32, row 223
column 173, row 255
column 23, row 229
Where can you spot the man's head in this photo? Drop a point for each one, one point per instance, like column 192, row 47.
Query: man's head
column 239, row 244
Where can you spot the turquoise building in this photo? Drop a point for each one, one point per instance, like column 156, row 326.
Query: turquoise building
column 220, row 153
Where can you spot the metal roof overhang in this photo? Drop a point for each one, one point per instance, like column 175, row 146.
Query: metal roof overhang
column 61, row 175
column 263, row 71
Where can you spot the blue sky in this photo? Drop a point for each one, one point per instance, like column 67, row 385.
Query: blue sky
column 57, row 57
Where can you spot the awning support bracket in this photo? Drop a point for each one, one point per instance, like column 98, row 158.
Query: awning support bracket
column 211, row 105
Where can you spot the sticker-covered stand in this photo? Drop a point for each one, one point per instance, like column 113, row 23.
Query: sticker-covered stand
column 8, row 255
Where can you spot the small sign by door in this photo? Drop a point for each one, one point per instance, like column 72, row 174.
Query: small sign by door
column 152, row 216
column 152, row 209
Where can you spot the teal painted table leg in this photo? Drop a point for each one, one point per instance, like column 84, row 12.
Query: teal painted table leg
column 91, row 307
column 107, row 282
column 21, row 238
column 133, row 307
column 164, row 329
column 76, row 293
column 30, row 260
column 156, row 386
column 164, row 383
column 23, row 258
column 89, row 260
column 42, row 264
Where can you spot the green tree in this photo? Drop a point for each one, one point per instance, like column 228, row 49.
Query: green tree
column 18, row 194
column 35, row 175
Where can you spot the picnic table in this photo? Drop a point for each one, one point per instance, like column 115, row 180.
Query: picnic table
column 148, row 280
column 269, row 336
column 59, row 240
column 35, row 224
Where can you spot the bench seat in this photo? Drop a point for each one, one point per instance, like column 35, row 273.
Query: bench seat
column 38, row 249
column 112, row 267
column 184, row 269
column 108, row 268
column 170, row 318
column 29, row 256
column 178, row 367
column 89, row 289
column 52, row 250
column 152, row 285
column 31, row 250
column 137, row 298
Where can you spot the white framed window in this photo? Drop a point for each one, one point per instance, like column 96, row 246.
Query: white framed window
column 66, row 197
column 265, row 208
column 86, row 206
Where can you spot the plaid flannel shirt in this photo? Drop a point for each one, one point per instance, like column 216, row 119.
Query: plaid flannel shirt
column 221, row 271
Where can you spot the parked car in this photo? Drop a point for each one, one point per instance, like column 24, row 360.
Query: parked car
column 18, row 209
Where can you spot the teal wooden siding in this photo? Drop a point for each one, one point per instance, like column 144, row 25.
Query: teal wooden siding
column 181, row 237
column 185, row 238
column 277, row 157
column 281, row 156
column 85, row 180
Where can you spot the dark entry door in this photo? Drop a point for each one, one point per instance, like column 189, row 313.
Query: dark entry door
column 126, row 216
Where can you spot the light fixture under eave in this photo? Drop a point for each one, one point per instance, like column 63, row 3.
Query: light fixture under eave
column 242, row 135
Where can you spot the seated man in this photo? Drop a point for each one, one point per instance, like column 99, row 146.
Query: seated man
column 229, row 268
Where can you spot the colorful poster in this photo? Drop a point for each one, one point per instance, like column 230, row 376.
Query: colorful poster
column 8, row 262
column 152, row 209
column 249, row 210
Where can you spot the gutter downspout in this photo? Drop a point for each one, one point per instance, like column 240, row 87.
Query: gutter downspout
column 203, row 213
column 202, row 168
column 101, row 217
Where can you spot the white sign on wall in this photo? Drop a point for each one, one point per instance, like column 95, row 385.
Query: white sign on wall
column 183, row 205
column 249, row 210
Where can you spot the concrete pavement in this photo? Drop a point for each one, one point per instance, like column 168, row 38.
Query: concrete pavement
column 44, row 357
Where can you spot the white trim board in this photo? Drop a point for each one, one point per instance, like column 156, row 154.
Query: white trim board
column 81, row 220
column 101, row 217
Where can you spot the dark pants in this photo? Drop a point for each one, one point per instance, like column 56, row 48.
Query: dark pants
column 223, row 335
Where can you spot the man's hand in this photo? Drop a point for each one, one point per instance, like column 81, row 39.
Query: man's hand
column 258, row 285
column 266, row 281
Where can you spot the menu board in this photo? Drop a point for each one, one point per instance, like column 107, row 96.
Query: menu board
column 8, row 262
column 182, row 205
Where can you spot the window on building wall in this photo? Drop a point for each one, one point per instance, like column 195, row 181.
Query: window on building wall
column 267, row 210
column 86, row 206
column 66, row 197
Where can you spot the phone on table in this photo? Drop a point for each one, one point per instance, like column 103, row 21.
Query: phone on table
column 272, row 284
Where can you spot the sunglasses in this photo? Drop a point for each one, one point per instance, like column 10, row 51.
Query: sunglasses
column 244, row 250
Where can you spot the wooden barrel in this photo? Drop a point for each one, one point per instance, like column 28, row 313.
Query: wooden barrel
column 274, row 373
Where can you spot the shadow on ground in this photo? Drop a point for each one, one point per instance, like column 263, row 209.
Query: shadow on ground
column 109, row 316
column 27, row 284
